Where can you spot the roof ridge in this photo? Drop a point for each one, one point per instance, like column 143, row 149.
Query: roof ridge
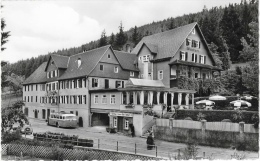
column 91, row 50
column 170, row 30
column 124, row 52
column 60, row 55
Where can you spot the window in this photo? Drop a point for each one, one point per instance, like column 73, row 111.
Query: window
column 193, row 57
column 96, row 99
column 31, row 98
column 104, row 99
column 47, row 74
column 193, row 31
column 51, row 74
column 140, row 58
column 36, row 99
column 24, row 98
column 101, row 67
column 28, row 99
column 115, row 122
column 36, row 87
column 195, row 44
column 183, row 56
column 160, row 74
column 116, row 69
column 119, row 84
column 77, row 113
column 126, row 124
column 85, row 99
column 188, row 42
column 146, row 58
column 202, row 59
column 43, row 87
column 113, row 99
column 53, row 86
column 132, row 74
column 94, row 82
column 196, row 75
column 108, row 56
column 80, row 83
column 32, row 87
column 54, row 73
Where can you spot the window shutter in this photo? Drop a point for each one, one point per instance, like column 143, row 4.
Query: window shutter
column 180, row 55
column 92, row 82
column 196, row 58
column 123, row 84
column 204, row 59
column 186, row 56
column 200, row 59
column 115, row 84
column 199, row 44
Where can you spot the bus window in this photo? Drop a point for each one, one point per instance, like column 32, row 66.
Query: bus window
column 63, row 117
column 60, row 117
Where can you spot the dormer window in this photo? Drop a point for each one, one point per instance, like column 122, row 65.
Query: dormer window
column 108, row 55
column 79, row 62
column 132, row 74
column 52, row 62
column 146, row 58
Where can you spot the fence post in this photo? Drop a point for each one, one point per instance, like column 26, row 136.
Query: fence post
column 135, row 148
column 98, row 143
column 171, row 122
column 203, row 130
column 156, row 150
column 155, row 121
column 241, row 131
column 116, row 145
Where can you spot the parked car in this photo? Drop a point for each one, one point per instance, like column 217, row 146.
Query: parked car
column 247, row 97
column 27, row 129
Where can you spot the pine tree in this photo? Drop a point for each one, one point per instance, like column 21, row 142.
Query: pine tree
column 135, row 36
column 4, row 35
column 103, row 39
column 172, row 24
column 112, row 40
column 121, row 38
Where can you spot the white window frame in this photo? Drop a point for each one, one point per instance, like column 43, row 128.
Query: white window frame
column 51, row 74
column 104, row 99
column 160, row 75
column 132, row 74
column 56, row 73
column 112, row 99
column 116, row 69
column 202, row 59
column 126, row 125
column 96, row 81
column 47, row 74
column 96, row 99
column 115, row 122
column 183, row 55
column 102, row 67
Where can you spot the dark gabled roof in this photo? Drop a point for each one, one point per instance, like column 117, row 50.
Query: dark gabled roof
column 38, row 76
column 60, row 61
column 89, row 60
column 167, row 42
column 153, row 48
column 126, row 60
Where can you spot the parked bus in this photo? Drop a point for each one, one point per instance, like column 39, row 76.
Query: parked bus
column 63, row 120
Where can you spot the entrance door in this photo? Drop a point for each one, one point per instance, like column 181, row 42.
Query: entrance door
column 106, row 83
column 48, row 113
column 43, row 113
column 120, row 124
column 35, row 113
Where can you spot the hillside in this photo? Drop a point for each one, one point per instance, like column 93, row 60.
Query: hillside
column 222, row 28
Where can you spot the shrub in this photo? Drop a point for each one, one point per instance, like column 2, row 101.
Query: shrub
column 57, row 153
column 8, row 137
column 214, row 115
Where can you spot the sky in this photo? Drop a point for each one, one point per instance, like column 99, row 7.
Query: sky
column 38, row 27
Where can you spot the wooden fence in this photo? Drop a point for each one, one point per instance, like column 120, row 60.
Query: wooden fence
column 69, row 154
column 214, row 126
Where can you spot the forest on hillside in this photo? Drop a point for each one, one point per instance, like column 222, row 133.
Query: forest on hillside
column 224, row 28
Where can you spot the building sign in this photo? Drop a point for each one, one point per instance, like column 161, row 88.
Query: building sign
column 121, row 114
column 191, row 49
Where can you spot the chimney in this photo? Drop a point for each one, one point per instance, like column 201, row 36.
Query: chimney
column 128, row 48
column 79, row 62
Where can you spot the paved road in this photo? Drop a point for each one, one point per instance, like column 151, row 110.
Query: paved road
column 126, row 143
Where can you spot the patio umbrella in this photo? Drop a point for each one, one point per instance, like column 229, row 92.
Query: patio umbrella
column 239, row 103
column 217, row 97
column 206, row 102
